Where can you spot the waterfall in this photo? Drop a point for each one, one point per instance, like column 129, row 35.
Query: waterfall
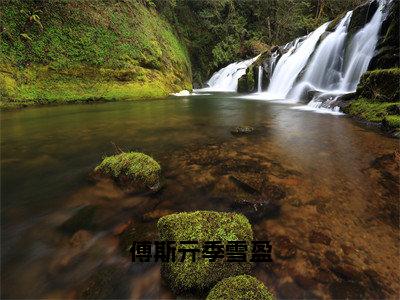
column 362, row 48
column 226, row 79
column 259, row 83
column 274, row 57
column 336, row 69
column 291, row 64
column 325, row 68
column 317, row 68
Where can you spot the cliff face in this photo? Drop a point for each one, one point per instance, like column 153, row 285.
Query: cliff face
column 88, row 50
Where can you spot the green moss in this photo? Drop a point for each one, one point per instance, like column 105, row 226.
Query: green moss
column 85, row 51
column 202, row 226
column 392, row 121
column 241, row 287
column 246, row 83
column 380, row 85
column 370, row 110
column 135, row 166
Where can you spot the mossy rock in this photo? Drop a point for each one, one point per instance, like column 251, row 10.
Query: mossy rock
column 200, row 276
column 380, row 85
column 132, row 171
column 240, row 287
column 247, row 83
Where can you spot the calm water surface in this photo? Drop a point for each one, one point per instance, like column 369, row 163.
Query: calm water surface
column 340, row 206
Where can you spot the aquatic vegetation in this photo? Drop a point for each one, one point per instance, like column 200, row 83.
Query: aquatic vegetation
column 202, row 226
column 132, row 169
column 240, row 287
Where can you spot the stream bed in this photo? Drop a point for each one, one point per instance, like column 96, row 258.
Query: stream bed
column 334, row 228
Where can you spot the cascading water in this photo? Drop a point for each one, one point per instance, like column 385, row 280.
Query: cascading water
column 336, row 69
column 325, row 68
column 273, row 59
column 226, row 79
column 329, row 70
column 290, row 65
column 259, row 83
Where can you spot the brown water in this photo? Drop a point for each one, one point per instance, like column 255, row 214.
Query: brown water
column 334, row 226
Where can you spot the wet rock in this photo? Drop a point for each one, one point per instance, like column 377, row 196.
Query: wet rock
column 81, row 239
column 136, row 232
column 314, row 260
column 244, row 186
column 120, row 228
column 304, row 281
column 202, row 226
column 347, row 290
column 240, row 287
column 156, row 214
column 260, row 206
column 242, row 130
column 284, row 247
column 295, row 203
column 82, row 219
column 347, row 273
column 133, row 172
column 323, row 276
column 319, row 238
column 332, row 257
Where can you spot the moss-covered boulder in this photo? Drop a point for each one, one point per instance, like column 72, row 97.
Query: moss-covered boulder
column 381, row 85
column 241, row 287
column 198, row 277
column 132, row 171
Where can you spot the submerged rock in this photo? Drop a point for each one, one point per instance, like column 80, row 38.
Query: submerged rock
column 319, row 238
column 200, row 276
column 82, row 219
column 240, row 287
column 134, row 172
column 284, row 247
column 242, row 130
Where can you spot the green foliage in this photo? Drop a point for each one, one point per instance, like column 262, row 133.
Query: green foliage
column 202, row 226
column 240, row 287
column 134, row 165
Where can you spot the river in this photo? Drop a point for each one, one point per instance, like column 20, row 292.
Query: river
column 339, row 211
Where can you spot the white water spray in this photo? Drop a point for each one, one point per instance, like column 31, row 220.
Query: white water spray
column 290, row 65
column 259, row 83
column 226, row 79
